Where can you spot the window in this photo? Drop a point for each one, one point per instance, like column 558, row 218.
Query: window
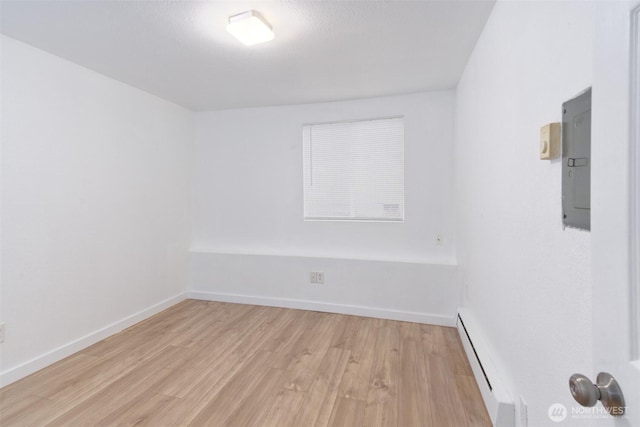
column 354, row 170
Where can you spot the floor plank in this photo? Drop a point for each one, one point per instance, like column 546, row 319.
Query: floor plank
column 415, row 404
column 282, row 409
column 382, row 399
column 347, row 412
column 318, row 405
column 355, row 381
column 202, row 363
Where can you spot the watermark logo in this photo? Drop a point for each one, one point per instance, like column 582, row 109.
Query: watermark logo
column 557, row 412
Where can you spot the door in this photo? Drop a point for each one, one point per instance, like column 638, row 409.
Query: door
column 615, row 202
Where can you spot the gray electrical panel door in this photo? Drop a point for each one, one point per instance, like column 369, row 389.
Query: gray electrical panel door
column 576, row 161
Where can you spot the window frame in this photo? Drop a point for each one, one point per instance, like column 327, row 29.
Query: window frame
column 356, row 219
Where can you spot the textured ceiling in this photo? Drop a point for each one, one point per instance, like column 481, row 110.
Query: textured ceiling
column 323, row 50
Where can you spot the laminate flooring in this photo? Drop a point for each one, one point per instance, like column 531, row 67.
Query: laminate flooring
column 202, row 363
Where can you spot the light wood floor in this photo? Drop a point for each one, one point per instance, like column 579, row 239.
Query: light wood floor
column 214, row 364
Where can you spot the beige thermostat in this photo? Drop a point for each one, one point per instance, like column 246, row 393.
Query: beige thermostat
column 550, row 141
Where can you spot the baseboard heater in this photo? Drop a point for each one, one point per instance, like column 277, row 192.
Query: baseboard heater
column 498, row 402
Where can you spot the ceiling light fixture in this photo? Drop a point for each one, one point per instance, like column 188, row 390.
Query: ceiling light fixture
column 250, row 28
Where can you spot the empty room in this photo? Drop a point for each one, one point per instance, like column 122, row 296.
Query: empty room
column 320, row 213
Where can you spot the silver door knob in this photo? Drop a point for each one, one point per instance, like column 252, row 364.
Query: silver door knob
column 606, row 390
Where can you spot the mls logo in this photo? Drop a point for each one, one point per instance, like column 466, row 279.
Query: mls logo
column 557, row 412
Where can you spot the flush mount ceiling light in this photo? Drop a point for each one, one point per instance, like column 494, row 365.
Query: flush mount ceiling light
column 250, row 28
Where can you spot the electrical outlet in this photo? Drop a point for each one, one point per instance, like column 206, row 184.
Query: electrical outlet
column 2, row 330
column 316, row 277
column 439, row 240
column 524, row 419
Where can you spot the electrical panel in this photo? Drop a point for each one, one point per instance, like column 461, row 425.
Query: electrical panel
column 576, row 161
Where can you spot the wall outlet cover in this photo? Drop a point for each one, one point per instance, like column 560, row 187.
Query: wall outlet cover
column 316, row 277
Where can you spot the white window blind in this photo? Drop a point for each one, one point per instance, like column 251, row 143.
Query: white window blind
column 354, row 170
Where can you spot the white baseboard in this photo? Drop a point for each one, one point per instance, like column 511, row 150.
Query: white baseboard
column 27, row 368
column 497, row 400
column 381, row 313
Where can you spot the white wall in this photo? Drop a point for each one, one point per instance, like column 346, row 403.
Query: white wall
column 248, row 200
column 527, row 281
column 414, row 292
column 248, row 182
column 95, row 178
